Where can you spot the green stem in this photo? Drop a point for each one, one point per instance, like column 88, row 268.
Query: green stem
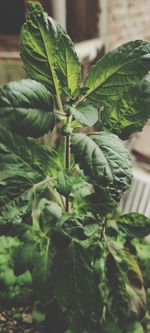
column 103, row 229
column 68, row 139
column 59, row 103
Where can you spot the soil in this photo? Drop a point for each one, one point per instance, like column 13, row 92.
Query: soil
column 16, row 321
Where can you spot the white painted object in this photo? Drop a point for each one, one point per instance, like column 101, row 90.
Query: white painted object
column 137, row 198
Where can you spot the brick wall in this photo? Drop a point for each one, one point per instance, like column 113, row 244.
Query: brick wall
column 127, row 20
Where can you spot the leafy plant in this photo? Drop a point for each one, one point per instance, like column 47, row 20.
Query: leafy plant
column 81, row 258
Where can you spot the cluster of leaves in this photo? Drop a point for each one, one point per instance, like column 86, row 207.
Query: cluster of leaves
column 60, row 204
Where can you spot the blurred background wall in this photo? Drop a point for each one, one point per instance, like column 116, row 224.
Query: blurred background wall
column 127, row 19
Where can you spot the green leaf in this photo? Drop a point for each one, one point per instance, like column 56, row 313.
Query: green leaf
column 131, row 266
column 24, row 166
column 85, row 113
column 73, row 285
column 41, row 273
column 134, row 284
column 38, row 313
column 117, row 298
column 26, row 108
column 103, row 200
column 48, row 53
column 24, row 257
column 143, row 250
column 135, row 224
column 110, row 327
column 110, row 82
column 135, row 328
column 54, row 318
column 103, row 158
column 64, row 183
column 137, row 301
column 131, row 111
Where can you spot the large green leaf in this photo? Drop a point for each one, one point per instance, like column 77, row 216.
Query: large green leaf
column 103, row 158
column 110, row 82
column 74, row 288
column 134, row 224
column 26, row 108
column 117, row 298
column 104, row 199
column 48, row 53
column 137, row 301
column 131, row 110
column 143, row 250
column 24, row 165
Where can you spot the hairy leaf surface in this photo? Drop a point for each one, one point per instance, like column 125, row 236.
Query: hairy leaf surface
column 110, row 82
column 48, row 53
column 26, row 108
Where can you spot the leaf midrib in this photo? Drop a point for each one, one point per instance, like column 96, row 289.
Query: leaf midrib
column 54, row 76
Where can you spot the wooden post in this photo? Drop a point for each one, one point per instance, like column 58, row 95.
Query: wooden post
column 82, row 19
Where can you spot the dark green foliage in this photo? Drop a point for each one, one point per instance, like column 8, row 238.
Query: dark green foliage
column 135, row 224
column 117, row 293
column 29, row 104
column 64, row 249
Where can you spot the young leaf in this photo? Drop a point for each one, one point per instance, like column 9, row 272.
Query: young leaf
column 48, row 53
column 135, row 224
column 86, row 114
column 103, row 158
column 26, row 108
column 112, row 77
column 64, row 183
column 118, row 298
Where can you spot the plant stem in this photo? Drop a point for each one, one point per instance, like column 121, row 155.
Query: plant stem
column 59, row 103
column 103, row 229
column 68, row 139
